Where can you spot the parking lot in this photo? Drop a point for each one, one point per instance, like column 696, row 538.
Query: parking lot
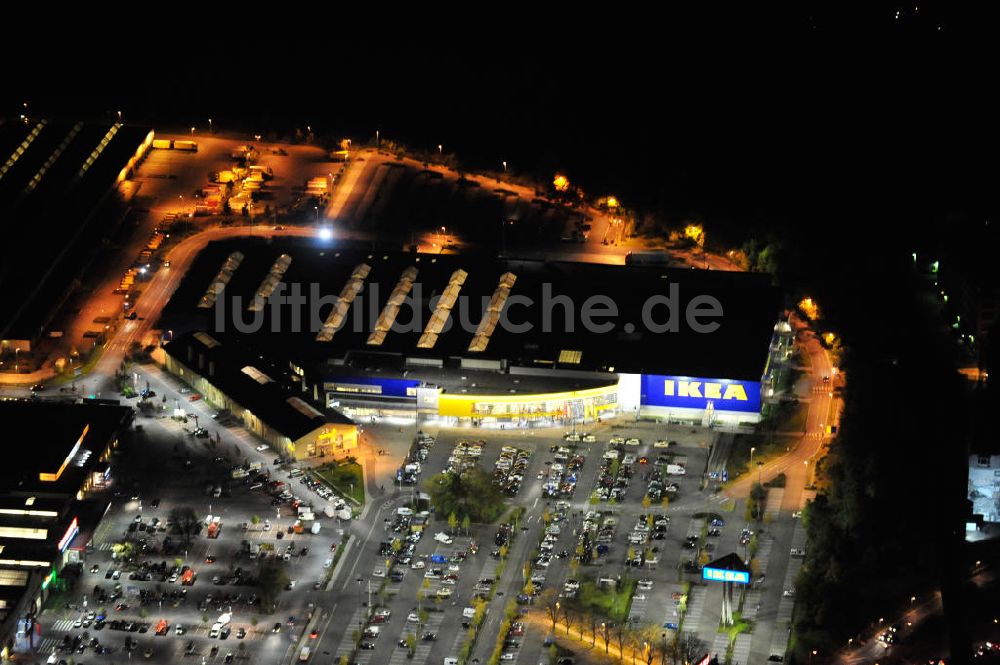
column 162, row 596
column 409, row 586
column 559, row 484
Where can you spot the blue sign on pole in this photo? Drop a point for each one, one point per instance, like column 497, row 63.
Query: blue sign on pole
column 723, row 575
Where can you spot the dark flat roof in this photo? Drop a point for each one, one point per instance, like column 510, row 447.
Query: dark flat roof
column 737, row 350
column 226, row 367
column 53, row 178
column 42, row 435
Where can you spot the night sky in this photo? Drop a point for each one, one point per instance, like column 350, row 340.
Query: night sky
column 789, row 118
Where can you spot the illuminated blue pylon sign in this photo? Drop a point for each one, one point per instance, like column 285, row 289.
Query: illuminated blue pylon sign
column 723, row 575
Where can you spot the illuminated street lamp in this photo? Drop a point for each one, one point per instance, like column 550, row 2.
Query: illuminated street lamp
column 209, row 125
column 376, row 138
column 119, row 117
column 504, row 166
column 440, row 149
column 192, row 131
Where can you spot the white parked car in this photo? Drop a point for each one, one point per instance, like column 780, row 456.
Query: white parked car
column 417, row 565
column 261, row 448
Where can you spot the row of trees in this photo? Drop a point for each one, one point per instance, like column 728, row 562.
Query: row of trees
column 639, row 643
column 869, row 530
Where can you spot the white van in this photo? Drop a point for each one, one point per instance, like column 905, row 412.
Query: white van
column 304, row 654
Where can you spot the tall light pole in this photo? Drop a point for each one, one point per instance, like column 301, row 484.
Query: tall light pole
column 752, row 450
column 376, row 139
column 440, row 149
column 504, row 166
column 119, row 117
column 210, row 126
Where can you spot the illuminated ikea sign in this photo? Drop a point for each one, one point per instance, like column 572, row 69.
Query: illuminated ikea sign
column 687, row 392
column 723, row 575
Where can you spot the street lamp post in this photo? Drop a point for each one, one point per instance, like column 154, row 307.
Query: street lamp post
column 504, row 167
column 210, row 126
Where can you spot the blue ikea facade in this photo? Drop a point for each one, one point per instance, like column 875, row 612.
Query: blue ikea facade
column 378, row 386
column 686, row 392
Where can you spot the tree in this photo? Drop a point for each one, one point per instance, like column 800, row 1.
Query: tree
column 553, row 654
column 529, row 588
column 665, row 502
column 255, row 520
column 466, row 524
column 549, row 600
column 471, row 493
column 185, row 523
column 452, row 522
column 504, row 550
column 620, row 632
column 591, row 620
column 271, row 579
column 396, row 545
column 688, row 648
column 411, row 643
column 646, row 502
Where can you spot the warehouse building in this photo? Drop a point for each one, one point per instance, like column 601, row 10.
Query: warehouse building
column 490, row 342
column 57, row 203
column 231, row 379
column 51, row 501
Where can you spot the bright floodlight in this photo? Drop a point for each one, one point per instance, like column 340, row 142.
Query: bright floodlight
column 326, row 234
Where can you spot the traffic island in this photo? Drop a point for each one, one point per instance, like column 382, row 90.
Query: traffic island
column 345, row 477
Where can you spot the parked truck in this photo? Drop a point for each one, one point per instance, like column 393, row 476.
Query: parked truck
column 676, row 470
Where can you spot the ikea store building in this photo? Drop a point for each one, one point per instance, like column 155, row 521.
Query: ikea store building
column 476, row 340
